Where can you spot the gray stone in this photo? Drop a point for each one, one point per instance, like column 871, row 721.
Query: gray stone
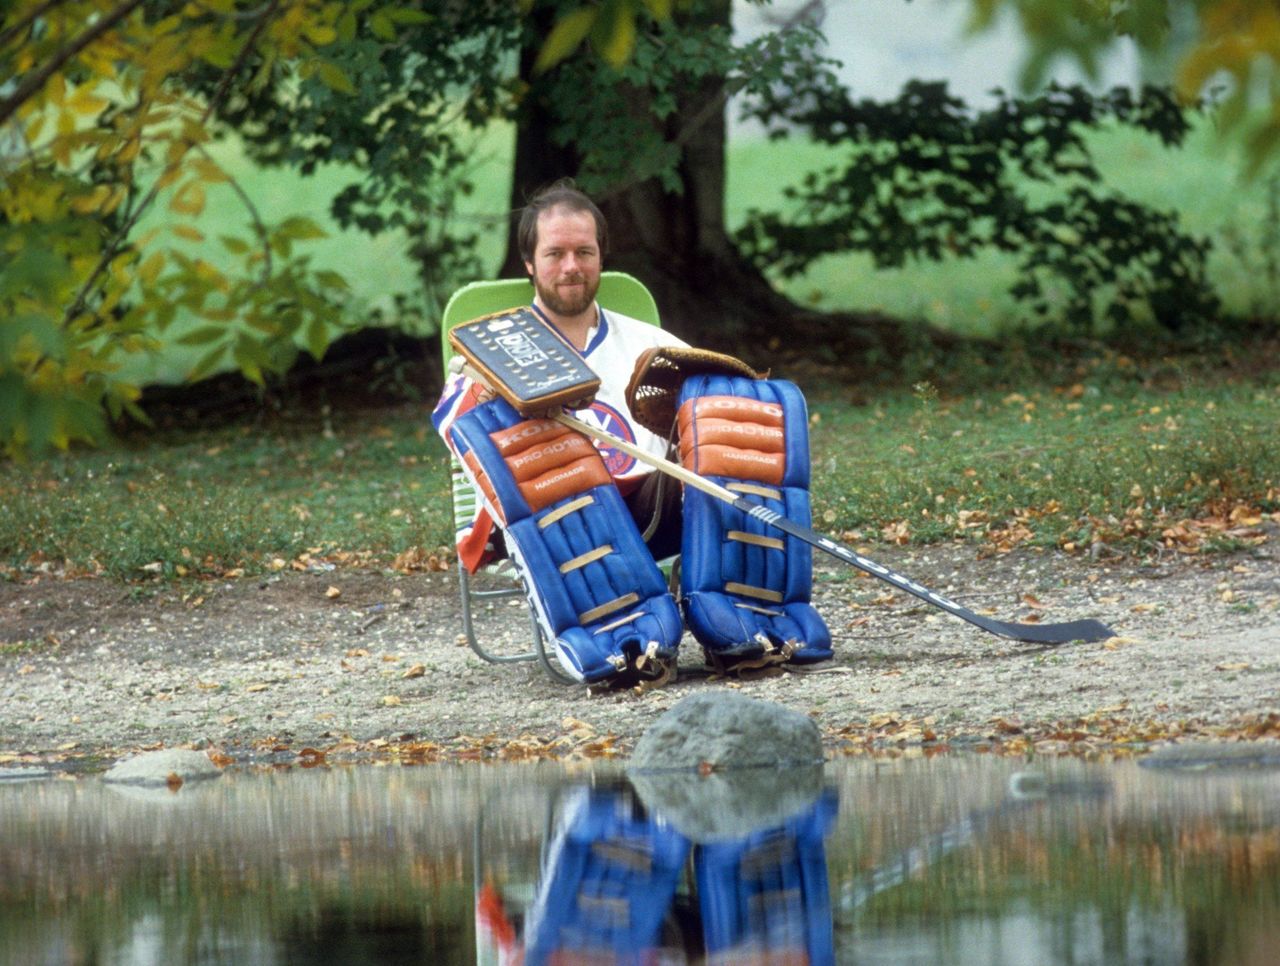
column 717, row 730
column 160, row 767
column 727, row 805
column 719, row 765
column 23, row 774
column 1200, row 755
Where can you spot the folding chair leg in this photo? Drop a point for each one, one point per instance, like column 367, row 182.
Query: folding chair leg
column 549, row 663
column 550, row 666
column 468, row 625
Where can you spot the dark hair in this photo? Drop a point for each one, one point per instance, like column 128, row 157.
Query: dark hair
column 561, row 194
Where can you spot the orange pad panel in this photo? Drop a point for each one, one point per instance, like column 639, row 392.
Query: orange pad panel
column 734, row 437
column 549, row 461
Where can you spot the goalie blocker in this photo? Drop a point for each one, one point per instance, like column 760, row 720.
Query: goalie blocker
column 595, row 590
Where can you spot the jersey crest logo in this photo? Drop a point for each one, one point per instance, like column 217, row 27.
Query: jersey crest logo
column 605, row 417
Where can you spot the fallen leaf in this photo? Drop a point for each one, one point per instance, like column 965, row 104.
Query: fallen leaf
column 1233, row 666
column 417, row 671
column 258, row 686
column 333, row 593
column 391, row 701
column 174, row 781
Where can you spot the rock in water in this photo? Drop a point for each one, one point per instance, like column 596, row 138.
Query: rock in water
column 723, row 729
column 1202, row 755
column 169, row 766
column 719, row 765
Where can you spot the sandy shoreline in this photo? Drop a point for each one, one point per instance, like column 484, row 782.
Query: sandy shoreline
column 94, row 669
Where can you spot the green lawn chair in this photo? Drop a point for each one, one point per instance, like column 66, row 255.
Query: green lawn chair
column 618, row 292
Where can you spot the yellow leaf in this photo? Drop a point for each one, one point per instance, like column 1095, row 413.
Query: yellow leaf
column 320, row 34
column 187, row 232
column 210, row 172
column 189, row 199
column 390, row 701
column 151, row 267
column 84, row 101
column 92, row 202
column 565, row 37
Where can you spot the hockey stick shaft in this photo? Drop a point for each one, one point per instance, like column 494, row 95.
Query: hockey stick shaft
column 1083, row 630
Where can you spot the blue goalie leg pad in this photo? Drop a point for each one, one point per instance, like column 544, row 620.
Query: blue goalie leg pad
column 746, row 587
column 765, row 897
column 608, row 881
column 596, row 591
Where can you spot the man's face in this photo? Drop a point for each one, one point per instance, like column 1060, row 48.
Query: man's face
column 566, row 262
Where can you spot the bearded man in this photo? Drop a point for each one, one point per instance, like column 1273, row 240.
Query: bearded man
column 563, row 240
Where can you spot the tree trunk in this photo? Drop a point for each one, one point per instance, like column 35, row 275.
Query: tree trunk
column 678, row 244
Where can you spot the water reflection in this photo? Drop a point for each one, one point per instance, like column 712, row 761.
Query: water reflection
column 622, row 881
column 951, row 860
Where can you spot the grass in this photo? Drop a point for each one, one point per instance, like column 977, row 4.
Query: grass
column 1089, row 461
column 1100, row 456
column 237, row 497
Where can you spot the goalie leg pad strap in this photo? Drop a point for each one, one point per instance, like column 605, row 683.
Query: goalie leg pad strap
column 596, row 591
column 746, row 587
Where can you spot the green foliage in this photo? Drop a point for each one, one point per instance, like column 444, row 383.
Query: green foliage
column 926, row 178
column 1229, row 49
column 108, row 110
column 640, row 117
column 103, row 126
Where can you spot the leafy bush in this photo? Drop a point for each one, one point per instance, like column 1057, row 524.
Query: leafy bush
column 928, row 178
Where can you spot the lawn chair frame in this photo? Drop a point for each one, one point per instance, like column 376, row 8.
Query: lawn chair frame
column 620, row 293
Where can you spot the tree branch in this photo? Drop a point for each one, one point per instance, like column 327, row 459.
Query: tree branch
column 28, row 20
column 113, row 247
column 38, row 78
column 258, row 224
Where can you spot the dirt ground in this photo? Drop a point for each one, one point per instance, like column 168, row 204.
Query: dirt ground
column 371, row 663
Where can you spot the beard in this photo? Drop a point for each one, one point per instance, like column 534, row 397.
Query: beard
column 568, row 305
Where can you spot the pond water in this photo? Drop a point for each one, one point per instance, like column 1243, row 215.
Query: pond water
column 955, row 859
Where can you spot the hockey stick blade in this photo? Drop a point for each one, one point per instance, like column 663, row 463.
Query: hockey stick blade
column 1083, row 630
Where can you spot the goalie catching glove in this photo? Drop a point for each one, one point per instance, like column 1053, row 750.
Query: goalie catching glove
column 659, row 373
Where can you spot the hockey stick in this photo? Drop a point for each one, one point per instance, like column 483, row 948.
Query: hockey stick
column 1083, row 630
column 499, row 350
